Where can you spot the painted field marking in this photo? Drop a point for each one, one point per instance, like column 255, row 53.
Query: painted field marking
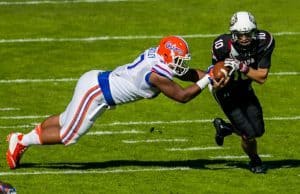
column 184, row 121
column 156, row 122
column 22, row 117
column 62, row 2
column 115, row 132
column 9, row 109
column 279, row 118
column 153, row 141
column 58, row 172
column 17, row 127
column 194, row 148
column 21, row 81
column 37, row 80
column 239, row 157
column 284, row 73
column 130, row 37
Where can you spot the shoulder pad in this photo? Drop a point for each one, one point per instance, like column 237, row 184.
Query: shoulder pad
column 265, row 40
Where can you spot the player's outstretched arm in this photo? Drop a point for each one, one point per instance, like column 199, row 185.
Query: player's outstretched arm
column 173, row 90
column 192, row 75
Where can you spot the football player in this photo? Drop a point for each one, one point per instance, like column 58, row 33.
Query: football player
column 247, row 51
column 149, row 74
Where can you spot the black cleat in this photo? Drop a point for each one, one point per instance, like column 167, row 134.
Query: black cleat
column 256, row 166
column 223, row 129
column 258, row 169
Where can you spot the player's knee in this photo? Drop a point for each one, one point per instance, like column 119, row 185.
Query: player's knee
column 259, row 128
column 248, row 139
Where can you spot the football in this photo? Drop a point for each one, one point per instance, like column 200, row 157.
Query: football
column 219, row 71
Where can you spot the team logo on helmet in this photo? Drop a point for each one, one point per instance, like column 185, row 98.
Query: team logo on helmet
column 233, row 20
column 174, row 51
column 174, row 48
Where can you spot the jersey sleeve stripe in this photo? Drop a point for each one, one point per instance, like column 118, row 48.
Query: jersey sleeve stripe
column 162, row 71
column 271, row 41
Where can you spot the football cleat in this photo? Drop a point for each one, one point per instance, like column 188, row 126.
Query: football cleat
column 15, row 150
column 223, row 129
column 257, row 167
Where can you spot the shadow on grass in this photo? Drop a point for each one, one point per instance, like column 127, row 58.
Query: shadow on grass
column 196, row 164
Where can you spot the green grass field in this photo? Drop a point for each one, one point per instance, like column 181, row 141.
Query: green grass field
column 152, row 146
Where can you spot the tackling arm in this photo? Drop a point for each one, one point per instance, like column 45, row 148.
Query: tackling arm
column 192, row 75
column 173, row 90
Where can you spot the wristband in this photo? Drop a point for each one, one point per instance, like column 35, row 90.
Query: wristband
column 202, row 83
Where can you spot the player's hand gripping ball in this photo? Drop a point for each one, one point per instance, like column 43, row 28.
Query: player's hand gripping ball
column 220, row 71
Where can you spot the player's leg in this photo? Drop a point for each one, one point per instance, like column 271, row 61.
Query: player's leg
column 255, row 116
column 249, row 146
column 246, row 130
column 223, row 128
column 49, row 131
column 65, row 128
column 87, row 104
column 45, row 133
column 249, row 122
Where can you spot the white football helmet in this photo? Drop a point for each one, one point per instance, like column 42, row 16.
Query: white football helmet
column 243, row 23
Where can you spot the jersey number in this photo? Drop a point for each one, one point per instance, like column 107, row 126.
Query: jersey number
column 219, row 44
column 136, row 63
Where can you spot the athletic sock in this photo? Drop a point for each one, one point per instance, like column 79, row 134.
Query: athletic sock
column 32, row 138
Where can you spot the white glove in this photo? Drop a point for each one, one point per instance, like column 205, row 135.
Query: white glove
column 235, row 65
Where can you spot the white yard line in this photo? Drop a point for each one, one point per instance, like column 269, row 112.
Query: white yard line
column 115, row 132
column 9, row 109
column 155, row 122
column 184, row 121
column 154, row 140
column 20, row 81
column 22, row 117
column 194, row 149
column 284, row 73
column 129, row 37
column 13, row 81
column 62, row 2
column 117, row 171
column 238, row 157
column 17, row 127
column 278, row 118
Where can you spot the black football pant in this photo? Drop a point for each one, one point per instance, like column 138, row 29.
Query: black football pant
column 244, row 112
